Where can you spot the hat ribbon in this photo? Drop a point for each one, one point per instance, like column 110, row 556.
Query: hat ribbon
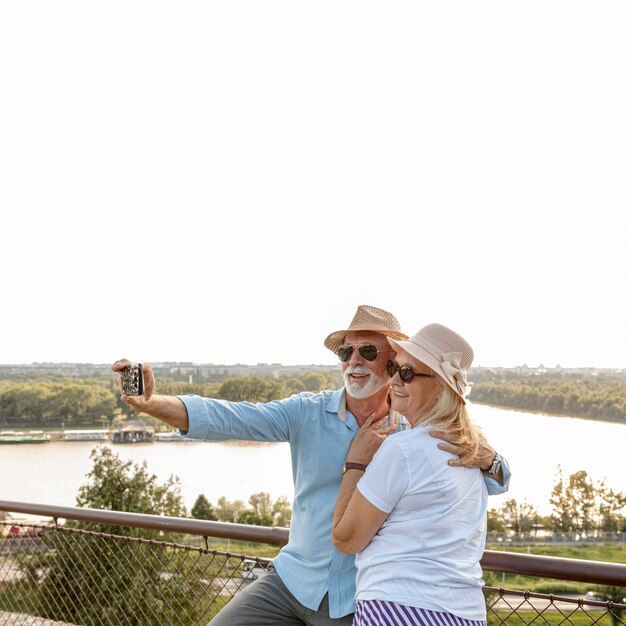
column 451, row 366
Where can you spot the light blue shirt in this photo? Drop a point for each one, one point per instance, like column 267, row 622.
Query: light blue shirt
column 319, row 430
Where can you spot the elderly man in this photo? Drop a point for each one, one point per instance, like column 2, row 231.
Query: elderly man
column 310, row 582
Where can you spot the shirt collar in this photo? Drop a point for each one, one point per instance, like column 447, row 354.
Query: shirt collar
column 337, row 404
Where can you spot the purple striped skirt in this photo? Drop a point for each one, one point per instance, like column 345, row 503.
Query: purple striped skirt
column 382, row 613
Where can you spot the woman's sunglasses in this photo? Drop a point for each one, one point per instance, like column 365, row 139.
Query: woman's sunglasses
column 407, row 374
column 367, row 350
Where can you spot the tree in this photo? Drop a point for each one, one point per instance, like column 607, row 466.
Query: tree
column 583, row 493
column 136, row 582
column 203, row 509
column 261, row 503
column 315, row 381
column 117, row 485
column 250, row 516
column 495, row 521
column 228, row 511
column 265, row 512
column 580, row 505
column 251, row 389
column 282, row 512
column 562, row 515
column 262, row 510
column 612, row 503
column 520, row 516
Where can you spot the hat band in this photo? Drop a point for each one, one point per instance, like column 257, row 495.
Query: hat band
column 450, row 363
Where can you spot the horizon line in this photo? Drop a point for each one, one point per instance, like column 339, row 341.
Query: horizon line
column 266, row 364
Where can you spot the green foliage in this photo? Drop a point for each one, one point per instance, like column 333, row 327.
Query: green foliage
column 314, row 381
column 250, row 516
column 113, row 581
column 262, row 510
column 495, row 521
column 109, row 581
column 609, row 552
column 79, row 402
column 521, row 516
column 228, row 511
column 594, row 397
column 116, row 485
column 281, row 512
column 251, row 388
column 74, row 402
column 580, row 505
column 264, row 550
column 203, row 509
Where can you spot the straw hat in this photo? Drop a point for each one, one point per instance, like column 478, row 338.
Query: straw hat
column 367, row 318
column 445, row 352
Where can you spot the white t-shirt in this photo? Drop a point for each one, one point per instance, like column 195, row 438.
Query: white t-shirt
column 427, row 552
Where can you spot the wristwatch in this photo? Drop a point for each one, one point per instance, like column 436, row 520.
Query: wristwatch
column 496, row 466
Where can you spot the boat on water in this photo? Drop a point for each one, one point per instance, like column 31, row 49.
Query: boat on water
column 16, row 437
column 172, row 435
column 135, row 431
column 86, row 435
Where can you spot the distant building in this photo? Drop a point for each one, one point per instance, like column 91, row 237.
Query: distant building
column 133, row 432
column 86, row 435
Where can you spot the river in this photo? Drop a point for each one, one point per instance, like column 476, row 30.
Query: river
column 534, row 445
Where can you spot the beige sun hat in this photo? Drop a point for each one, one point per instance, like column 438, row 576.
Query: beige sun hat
column 367, row 318
column 444, row 351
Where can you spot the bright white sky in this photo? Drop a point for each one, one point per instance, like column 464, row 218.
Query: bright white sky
column 225, row 181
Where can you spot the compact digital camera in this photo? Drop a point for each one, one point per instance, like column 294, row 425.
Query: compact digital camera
column 132, row 380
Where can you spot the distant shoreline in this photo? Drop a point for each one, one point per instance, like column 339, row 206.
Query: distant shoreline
column 611, row 420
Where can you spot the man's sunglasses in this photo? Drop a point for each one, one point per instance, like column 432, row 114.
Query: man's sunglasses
column 407, row 374
column 367, row 350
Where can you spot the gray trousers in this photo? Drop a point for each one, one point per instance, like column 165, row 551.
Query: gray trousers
column 267, row 602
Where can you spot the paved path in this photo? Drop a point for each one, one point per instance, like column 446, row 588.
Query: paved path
column 23, row 619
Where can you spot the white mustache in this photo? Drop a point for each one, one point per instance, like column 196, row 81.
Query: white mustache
column 357, row 369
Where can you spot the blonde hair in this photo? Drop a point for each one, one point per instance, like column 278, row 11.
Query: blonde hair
column 450, row 415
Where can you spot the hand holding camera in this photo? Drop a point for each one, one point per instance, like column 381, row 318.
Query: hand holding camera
column 136, row 382
column 170, row 409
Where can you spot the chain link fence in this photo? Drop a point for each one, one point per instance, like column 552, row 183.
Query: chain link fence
column 89, row 578
column 523, row 608
column 63, row 575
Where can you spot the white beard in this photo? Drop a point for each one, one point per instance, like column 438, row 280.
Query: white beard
column 358, row 391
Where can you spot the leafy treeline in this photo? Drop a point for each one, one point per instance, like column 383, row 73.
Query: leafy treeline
column 579, row 505
column 595, row 397
column 261, row 510
column 73, row 402
column 76, row 402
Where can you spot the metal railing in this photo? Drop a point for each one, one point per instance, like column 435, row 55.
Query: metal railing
column 107, row 568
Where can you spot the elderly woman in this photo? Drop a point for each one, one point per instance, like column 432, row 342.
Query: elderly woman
column 417, row 524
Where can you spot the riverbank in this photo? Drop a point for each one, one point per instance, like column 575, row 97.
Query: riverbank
column 598, row 398
column 608, row 420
